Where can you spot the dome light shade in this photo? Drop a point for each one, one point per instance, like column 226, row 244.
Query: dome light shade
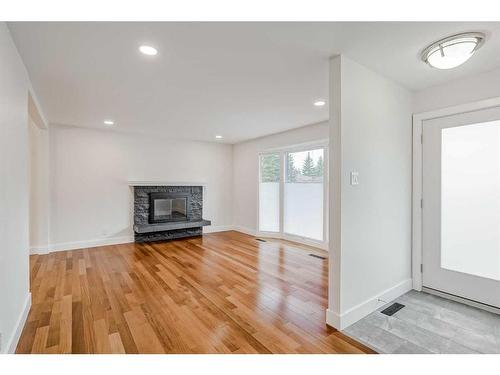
column 148, row 50
column 453, row 51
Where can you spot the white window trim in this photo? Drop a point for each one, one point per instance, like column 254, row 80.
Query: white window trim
column 282, row 234
column 417, row 194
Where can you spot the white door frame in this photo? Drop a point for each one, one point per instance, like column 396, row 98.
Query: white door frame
column 418, row 120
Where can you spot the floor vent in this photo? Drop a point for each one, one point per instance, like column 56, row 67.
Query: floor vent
column 317, row 256
column 391, row 310
column 261, row 240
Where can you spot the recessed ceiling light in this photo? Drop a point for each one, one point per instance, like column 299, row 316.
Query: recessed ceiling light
column 148, row 50
column 453, row 51
column 319, row 103
column 109, row 122
column 218, row 136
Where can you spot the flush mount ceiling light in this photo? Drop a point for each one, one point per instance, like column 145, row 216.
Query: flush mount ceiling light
column 319, row 103
column 218, row 136
column 109, row 122
column 148, row 50
column 453, row 51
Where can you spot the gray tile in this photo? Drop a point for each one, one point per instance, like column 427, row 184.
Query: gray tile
column 416, row 335
column 453, row 312
column 378, row 339
column 411, row 348
column 427, row 322
column 485, row 320
column 430, row 324
column 474, row 328
column 481, row 342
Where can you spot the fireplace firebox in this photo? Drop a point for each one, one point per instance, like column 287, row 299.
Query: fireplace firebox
column 167, row 207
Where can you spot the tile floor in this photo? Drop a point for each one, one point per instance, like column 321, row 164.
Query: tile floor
column 429, row 324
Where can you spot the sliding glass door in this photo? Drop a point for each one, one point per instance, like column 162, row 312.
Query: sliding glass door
column 304, row 194
column 292, row 193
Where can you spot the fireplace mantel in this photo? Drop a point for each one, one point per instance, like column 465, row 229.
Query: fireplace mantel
column 166, row 183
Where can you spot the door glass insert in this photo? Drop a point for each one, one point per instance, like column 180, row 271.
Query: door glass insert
column 470, row 199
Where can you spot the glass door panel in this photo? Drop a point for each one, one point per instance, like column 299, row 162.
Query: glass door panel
column 269, row 192
column 470, row 199
column 304, row 194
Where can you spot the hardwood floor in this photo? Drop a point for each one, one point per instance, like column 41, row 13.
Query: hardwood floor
column 221, row 293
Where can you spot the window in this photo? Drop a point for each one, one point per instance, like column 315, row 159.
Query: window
column 292, row 193
column 269, row 193
column 303, row 194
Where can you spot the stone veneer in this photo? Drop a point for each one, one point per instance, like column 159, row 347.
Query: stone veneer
column 141, row 211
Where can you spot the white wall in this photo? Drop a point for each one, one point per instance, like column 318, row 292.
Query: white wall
column 39, row 187
column 467, row 90
column 91, row 202
column 14, row 193
column 371, row 234
column 246, row 169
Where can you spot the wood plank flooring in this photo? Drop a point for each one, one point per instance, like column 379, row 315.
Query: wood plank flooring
column 220, row 293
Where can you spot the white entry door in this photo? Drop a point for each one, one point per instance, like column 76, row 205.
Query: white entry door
column 461, row 205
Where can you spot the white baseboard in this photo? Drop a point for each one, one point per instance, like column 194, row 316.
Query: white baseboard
column 39, row 250
column 220, row 228
column 11, row 345
column 279, row 236
column 91, row 243
column 305, row 241
column 245, row 230
column 358, row 312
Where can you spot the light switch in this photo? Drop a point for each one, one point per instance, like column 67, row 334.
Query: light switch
column 354, row 178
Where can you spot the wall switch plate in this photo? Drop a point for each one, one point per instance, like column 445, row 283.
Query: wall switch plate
column 354, row 178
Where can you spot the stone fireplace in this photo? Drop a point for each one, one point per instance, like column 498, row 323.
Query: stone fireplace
column 168, row 212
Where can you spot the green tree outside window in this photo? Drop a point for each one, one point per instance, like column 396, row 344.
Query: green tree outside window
column 270, row 168
column 308, row 168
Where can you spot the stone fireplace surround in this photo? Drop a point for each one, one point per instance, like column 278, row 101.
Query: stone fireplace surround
column 145, row 231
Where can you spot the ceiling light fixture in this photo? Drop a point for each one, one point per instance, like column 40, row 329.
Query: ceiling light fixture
column 453, row 51
column 319, row 103
column 218, row 136
column 109, row 122
column 148, row 50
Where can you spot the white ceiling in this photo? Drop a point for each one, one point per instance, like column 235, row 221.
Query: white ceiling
column 240, row 80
